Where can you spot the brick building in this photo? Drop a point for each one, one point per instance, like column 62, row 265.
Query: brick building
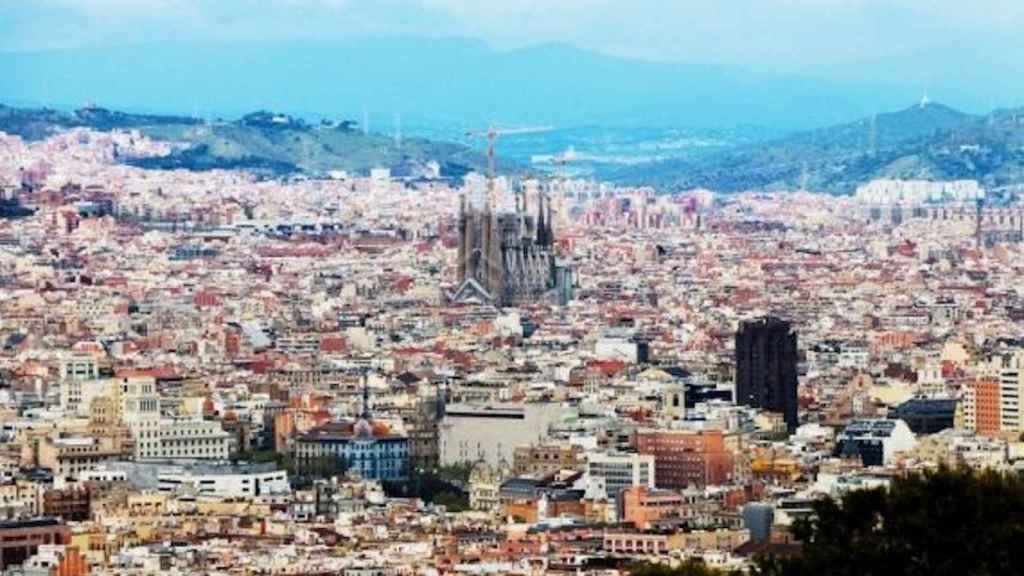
column 641, row 506
column 685, row 458
column 21, row 539
column 69, row 504
column 986, row 402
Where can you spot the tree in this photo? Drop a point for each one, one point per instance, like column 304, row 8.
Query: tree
column 457, row 473
column 432, row 488
column 940, row 523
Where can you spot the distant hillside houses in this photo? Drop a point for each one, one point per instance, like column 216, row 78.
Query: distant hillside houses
column 886, row 191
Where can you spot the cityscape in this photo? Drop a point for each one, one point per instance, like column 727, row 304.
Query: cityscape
column 297, row 341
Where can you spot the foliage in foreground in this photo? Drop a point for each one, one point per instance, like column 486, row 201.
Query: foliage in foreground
column 941, row 523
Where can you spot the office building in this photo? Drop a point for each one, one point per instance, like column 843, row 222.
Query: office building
column 611, row 473
column 766, row 367
column 926, row 415
column 874, row 441
column 684, row 458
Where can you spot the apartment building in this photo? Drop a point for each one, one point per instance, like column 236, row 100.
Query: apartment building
column 684, row 458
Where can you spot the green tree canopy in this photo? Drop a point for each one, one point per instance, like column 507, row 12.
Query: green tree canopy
column 940, row 523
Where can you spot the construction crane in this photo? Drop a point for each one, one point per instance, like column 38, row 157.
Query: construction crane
column 492, row 134
column 561, row 162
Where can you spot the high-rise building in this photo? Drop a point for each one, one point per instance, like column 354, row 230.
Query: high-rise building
column 506, row 257
column 981, row 407
column 766, row 374
column 1011, row 388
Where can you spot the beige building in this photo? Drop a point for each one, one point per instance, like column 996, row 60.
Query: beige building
column 70, row 456
column 20, row 499
column 653, row 543
column 485, row 484
column 183, row 438
column 539, row 460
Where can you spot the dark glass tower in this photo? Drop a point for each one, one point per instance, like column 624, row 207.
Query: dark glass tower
column 766, row 360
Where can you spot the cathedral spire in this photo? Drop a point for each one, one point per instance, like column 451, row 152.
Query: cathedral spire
column 541, row 226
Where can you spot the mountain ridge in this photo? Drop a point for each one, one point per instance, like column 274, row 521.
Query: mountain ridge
column 927, row 141
column 263, row 142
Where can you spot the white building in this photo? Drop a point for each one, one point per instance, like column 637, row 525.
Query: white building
column 181, row 438
column 885, row 191
column 224, row 481
column 488, row 433
column 79, row 366
column 76, row 395
column 619, row 344
column 614, row 472
column 875, row 441
column 1011, row 386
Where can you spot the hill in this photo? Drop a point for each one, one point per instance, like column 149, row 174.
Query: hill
column 261, row 141
column 926, row 141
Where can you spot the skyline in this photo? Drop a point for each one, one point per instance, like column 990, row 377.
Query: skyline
column 518, row 287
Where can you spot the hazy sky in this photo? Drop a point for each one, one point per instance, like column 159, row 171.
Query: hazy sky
column 788, row 35
column 871, row 54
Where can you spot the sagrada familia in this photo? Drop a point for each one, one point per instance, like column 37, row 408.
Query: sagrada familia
column 506, row 258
